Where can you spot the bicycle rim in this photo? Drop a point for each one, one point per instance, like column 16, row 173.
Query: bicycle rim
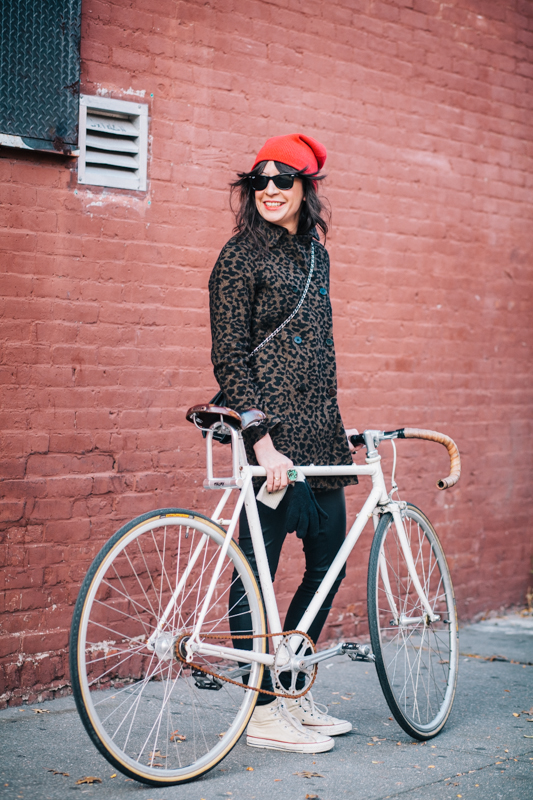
column 416, row 659
column 144, row 708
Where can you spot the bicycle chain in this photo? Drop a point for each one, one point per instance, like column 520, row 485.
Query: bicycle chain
column 247, row 636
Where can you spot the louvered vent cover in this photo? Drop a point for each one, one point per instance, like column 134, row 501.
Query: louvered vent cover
column 113, row 143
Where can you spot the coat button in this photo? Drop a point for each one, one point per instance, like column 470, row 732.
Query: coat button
column 329, row 342
column 332, row 392
column 302, row 388
column 323, row 291
column 295, row 290
column 298, row 339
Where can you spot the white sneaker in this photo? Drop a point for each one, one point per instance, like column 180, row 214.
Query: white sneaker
column 314, row 716
column 273, row 727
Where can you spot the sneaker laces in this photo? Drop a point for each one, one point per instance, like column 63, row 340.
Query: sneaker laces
column 288, row 717
column 320, row 707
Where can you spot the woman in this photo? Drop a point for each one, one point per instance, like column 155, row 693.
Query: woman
column 257, row 282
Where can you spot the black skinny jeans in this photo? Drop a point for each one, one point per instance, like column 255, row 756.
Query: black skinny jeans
column 319, row 553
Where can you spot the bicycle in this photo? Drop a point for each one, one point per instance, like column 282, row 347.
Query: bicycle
column 165, row 688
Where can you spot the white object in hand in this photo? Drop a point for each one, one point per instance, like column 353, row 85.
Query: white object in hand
column 273, row 499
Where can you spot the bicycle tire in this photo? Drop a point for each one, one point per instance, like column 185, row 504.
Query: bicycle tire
column 416, row 660
column 142, row 708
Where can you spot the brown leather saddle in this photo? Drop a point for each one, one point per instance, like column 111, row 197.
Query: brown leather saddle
column 205, row 416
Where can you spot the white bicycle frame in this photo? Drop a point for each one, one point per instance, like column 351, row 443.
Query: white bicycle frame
column 241, row 480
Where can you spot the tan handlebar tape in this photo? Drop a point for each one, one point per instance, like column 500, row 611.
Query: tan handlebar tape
column 449, row 444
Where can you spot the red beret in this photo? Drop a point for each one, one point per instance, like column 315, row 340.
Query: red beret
column 296, row 150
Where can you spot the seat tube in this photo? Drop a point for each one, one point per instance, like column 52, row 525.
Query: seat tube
column 261, row 560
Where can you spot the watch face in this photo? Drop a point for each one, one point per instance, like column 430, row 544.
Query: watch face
column 292, row 474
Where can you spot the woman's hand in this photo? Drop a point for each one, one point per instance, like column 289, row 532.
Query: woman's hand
column 351, row 432
column 275, row 463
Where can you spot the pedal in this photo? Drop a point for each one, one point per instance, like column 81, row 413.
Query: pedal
column 358, row 652
column 204, row 681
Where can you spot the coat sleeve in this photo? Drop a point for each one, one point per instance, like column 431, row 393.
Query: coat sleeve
column 231, row 299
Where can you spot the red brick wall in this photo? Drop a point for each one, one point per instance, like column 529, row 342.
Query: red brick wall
column 425, row 108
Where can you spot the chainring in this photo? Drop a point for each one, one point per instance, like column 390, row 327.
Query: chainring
column 181, row 656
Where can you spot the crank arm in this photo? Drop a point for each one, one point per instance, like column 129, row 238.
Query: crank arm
column 239, row 672
column 359, row 652
column 323, row 655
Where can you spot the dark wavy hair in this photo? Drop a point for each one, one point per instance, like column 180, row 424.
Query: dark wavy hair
column 313, row 214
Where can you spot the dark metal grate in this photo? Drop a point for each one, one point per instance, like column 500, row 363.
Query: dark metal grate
column 40, row 70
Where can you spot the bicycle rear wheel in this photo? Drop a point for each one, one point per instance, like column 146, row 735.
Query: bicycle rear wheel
column 144, row 709
column 416, row 659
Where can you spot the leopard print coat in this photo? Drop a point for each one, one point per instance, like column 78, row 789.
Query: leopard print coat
column 293, row 378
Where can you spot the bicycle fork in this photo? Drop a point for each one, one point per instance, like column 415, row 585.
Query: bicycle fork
column 398, row 618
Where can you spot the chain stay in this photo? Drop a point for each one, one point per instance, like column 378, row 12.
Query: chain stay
column 237, row 683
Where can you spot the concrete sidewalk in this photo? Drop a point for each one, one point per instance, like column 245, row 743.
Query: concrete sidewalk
column 485, row 751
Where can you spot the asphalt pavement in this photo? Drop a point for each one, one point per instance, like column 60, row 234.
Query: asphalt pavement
column 485, row 750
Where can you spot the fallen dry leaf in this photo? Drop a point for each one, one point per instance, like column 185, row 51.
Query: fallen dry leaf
column 431, row 766
column 307, row 774
column 40, row 710
column 249, row 769
column 377, row 762
column 57, row 772
column 176, row 736
column 526, row 736
column 515, row 714
column 114, row 775
column 89, row 779
column 312, row 797
column 155, row 754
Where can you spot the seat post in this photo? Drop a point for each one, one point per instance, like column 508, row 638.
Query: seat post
column 238, row 458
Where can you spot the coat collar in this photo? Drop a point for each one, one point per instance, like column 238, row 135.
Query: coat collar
column 276, row 234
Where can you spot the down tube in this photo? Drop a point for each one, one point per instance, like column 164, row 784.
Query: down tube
column 340, row 559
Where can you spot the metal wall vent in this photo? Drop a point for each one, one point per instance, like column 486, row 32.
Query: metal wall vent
column 113, row 143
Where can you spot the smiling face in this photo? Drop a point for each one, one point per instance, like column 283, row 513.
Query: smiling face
column 280, row 206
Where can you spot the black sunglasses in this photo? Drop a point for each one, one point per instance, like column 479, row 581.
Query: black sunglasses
column 260, row 182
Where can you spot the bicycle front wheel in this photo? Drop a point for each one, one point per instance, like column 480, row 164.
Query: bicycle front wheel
column 416, row 659
column 152, row 716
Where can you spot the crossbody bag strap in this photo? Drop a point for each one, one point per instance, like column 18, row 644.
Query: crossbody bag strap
column 298, row 307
